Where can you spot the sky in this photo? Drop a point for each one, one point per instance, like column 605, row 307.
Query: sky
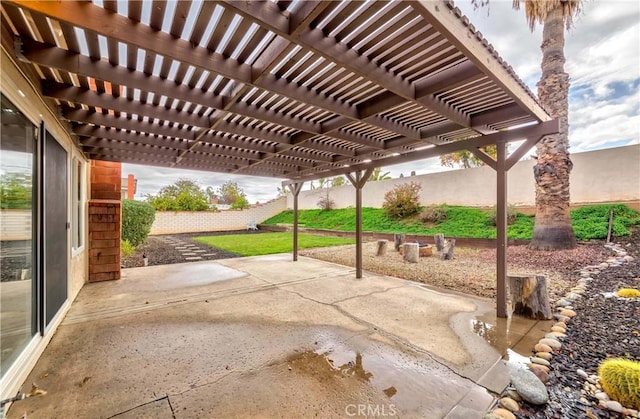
column 603, row 61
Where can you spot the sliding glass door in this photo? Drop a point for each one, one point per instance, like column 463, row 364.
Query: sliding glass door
column 18, row 307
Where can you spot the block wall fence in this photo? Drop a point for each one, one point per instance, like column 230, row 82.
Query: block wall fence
column 602, row 176
column 171, row 222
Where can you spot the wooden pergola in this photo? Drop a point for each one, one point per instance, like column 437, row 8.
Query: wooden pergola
column 296, row 90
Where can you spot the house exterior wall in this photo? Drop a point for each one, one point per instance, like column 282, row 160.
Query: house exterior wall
column 25, row 95
column 610, row 175
column 171, row 222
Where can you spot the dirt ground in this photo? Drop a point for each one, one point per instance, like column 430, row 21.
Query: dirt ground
column 472, row 271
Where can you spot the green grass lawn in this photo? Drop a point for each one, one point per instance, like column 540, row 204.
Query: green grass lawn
column 268, row 243
column 589, row 222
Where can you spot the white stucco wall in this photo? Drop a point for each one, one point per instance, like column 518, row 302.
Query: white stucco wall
column 611, row 175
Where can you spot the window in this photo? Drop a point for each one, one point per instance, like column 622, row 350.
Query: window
column 77, row 204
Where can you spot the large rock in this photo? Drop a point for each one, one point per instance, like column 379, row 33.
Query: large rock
column 529, row 386
column 551, row 343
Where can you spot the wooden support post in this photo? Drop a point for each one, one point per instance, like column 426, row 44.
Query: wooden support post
column 501, row 223
column 529, row 296
column 382, row 248
column 411, row 252
column 398, row 240
column 447, row 251
column 358, row 181
column 295, row 190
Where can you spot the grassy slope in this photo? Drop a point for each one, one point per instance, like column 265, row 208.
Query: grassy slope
column 589, row 222
column 268, row 243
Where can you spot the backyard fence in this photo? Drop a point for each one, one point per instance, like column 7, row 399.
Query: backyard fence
column 602, row 176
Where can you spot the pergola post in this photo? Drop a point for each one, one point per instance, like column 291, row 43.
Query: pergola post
column 501, row 224
column 501, row 165
column 295, row 191
column 358, row 179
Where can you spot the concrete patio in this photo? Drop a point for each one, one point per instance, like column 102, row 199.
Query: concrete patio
column 268, row 337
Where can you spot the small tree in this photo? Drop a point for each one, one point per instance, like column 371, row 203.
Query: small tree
column 184, row 195
column 465, row 158
column 403, row 200
column 137, row 218
column 338, row 181
column 231, row 194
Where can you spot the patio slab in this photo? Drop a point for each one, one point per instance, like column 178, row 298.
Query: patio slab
column 268, row 337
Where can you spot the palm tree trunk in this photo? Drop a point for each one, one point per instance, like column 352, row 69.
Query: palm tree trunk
column 553, row 229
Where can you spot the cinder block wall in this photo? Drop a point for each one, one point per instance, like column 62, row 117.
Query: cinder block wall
column 105, row 221
column 173, row 222
column 601, row 176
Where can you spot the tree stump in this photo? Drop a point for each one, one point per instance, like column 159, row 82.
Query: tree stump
column 382, row 248
column 529, row 296
column 411, row 252
column 398, row 240
column 439, row 240
column 447, row 251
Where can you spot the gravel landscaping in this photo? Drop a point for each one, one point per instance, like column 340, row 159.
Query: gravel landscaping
column 472, row 271
column 604, row 326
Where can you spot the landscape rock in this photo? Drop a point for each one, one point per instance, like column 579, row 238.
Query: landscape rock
column 568, row 313
column 541, row 347
column 534, row 367
column 613, row 406
column 581, row 373
column 561, row 324
column 601, row 395
column 509, row 404
column 558, row 329
column 514, row 395
column 503, row 413
column 540, row 361
column 529, row 386
column 552, row 343
column 544, row 355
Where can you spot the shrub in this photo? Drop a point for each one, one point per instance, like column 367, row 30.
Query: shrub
column 403, row 200
column 628, row 293
column 620, row 379
column 434, row 213
column 512, row 215
column 126, row 248
column 326, row 203
column 137, row 218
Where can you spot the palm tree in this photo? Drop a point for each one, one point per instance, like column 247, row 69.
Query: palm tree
column 378, row 175
column 553, row 229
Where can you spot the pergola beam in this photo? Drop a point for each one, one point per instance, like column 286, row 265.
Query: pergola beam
column 538, row 131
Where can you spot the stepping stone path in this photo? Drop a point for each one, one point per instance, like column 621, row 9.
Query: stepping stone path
column 190, row 251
